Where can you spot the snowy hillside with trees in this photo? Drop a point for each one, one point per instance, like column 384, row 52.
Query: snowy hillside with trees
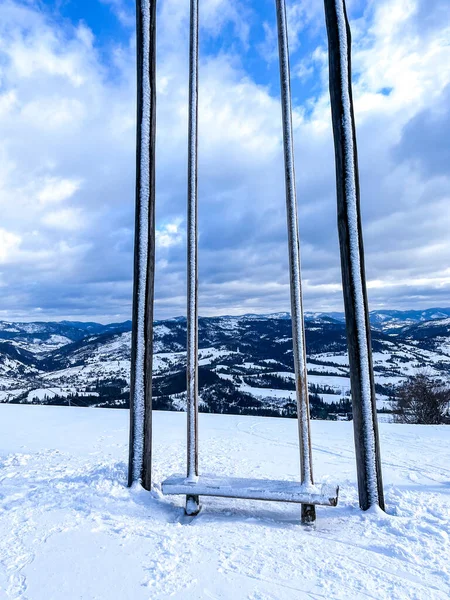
column 245, row 363
column 70, row 528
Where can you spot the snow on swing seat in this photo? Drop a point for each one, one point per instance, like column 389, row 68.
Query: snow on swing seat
column 251, row 489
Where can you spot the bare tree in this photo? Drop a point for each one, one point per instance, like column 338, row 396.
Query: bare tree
column 423, row 400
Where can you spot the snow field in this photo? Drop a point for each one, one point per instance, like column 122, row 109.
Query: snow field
column 70, row 528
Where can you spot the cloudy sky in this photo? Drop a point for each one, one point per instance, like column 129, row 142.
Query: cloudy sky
column 67, row 143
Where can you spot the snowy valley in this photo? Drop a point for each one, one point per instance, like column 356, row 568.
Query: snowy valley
column 245, row 362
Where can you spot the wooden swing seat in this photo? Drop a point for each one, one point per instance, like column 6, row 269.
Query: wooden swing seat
column 251, row 489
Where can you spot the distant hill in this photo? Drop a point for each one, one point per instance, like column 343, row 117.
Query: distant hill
column 246, row 363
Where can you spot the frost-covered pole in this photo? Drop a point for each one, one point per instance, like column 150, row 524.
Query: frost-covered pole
column 298, row 333
column 352, row 259
column 192, row 502
column 140, row 457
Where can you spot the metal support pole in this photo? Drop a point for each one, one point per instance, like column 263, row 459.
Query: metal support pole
column 368, row 461
column 298, row 333
column 140, row 452
column 192, row 502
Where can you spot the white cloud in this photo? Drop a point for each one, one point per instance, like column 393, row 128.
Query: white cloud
column 9, row 242
column 56, row 190
column 66, row 219
column 391, row 55
column 169, row 234
column 122, row 11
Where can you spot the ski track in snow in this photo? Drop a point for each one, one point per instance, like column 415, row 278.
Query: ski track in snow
column 70, row 528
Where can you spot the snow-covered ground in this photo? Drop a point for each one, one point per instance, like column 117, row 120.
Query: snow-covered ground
column 71, row 529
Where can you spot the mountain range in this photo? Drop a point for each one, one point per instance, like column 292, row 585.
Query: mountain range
column 245, row 362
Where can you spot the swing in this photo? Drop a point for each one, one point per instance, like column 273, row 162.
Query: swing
column 194, row 485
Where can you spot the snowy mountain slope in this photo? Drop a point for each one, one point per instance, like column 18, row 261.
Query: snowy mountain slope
column 246, row 364
column 428, row 334
column 387, row 320
column 69, row 527
column 43, row 334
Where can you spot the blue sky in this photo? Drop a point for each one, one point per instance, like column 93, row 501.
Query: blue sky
column 112, row 23
column 67, row 116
